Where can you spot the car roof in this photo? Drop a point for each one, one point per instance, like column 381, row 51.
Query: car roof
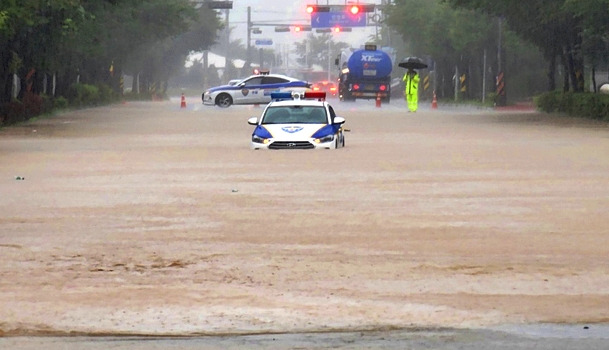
column 272, row 75
column 302, row 102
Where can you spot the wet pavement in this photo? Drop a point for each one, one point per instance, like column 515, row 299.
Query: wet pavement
column 140, row 221
column 545, row 336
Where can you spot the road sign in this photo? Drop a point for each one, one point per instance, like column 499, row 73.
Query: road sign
column 337, row 19
column 264, row 42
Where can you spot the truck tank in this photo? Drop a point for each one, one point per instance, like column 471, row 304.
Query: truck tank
column 365, row 74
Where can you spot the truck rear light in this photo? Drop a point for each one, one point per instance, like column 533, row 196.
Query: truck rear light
column 355, row 86
column 383, row 87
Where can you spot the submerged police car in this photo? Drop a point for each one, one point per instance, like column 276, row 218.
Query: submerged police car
column 255, row 89
column 298, row 121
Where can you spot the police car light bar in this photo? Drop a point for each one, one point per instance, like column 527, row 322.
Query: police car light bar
column 315, row 95
column 279, row 96
column 320, row 95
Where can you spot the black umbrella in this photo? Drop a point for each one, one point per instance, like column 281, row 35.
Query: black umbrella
column 412, row 63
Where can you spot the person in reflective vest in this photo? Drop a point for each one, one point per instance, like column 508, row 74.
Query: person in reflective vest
column 411, row 91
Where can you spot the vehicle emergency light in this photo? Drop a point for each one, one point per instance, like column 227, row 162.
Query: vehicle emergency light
column 320, row 95
column 280, row 96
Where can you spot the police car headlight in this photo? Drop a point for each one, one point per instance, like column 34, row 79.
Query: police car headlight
column 258, row 139
column 328, row 138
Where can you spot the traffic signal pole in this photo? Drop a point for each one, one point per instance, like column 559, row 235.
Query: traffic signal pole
column 249, row 35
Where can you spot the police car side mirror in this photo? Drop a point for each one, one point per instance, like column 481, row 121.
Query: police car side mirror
column 253, row 121
column 339, row 120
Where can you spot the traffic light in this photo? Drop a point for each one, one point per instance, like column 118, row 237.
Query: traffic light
column 338, row 29
column 359, row 8
column 317, row 8
column 301, row 28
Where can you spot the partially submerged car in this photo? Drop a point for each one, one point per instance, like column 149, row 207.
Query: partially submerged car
column 255, row 89
column 298, row 121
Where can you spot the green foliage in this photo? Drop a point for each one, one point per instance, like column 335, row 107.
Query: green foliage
column 585, row 105
column 565, row 29
column 79, row 37
column 106, row 94
column 12, row 113
column 458, row 37
column 81, row 95
column 60, row 102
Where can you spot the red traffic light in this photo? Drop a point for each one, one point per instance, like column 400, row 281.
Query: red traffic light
column 297, row 29
column 359, row 8
column 317, row 8
column 338, row 29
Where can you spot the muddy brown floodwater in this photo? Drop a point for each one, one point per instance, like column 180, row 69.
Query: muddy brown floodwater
column 148, row 219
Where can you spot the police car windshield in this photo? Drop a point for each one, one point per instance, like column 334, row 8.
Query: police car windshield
column 295, row 114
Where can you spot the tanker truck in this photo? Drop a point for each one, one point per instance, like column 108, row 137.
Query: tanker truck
column 364, row 74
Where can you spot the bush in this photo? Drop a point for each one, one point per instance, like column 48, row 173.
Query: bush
column 60, row 102
column 47, row 103
column 106, row 94
column 585, row 105
column 81, row 95
column 13, row 112
column 32, row 104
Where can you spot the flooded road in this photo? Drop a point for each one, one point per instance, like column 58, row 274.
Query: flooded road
column 145, row 219
column 541, row 337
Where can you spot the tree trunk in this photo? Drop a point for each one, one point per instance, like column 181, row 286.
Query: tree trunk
column 594, row 79
column 6, row 77
column 565, row 85
column 552, row 73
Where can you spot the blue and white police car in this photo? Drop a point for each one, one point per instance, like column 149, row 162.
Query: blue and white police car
column 255, row 89
column 298, row 121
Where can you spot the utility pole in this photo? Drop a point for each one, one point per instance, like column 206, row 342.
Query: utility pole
column 329, row 57
column 484, row 77
column 249, row 35
column 501, row 100
column 227, row 51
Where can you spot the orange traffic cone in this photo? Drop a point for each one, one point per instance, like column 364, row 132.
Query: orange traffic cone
column 183, row 103
column 378, row 99
column 434, row 101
